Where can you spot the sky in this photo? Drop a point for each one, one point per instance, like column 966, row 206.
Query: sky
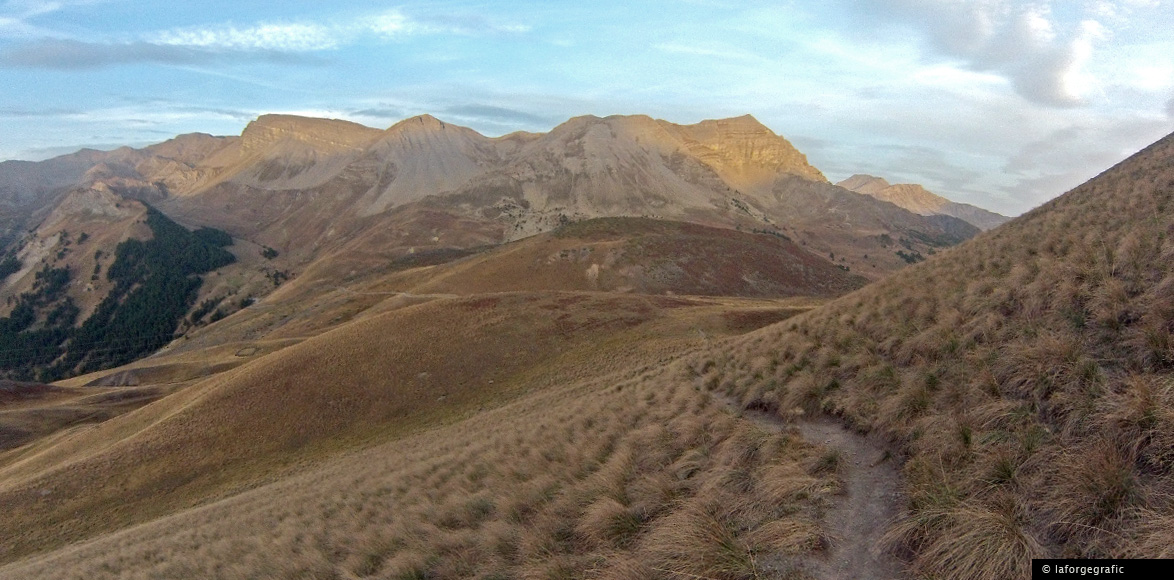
column 998, row 103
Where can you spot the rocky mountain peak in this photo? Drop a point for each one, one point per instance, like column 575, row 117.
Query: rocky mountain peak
column 322, row 133
column 419, row 123
column 863, row 183
column 744, row 151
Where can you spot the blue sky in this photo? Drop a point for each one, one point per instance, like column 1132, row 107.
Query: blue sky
column 998, row 103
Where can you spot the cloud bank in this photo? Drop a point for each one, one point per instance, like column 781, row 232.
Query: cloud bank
column 1043, row 60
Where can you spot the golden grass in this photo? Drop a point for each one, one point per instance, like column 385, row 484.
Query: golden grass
column 1027, row 376
column 638, row 477
column 639, row 255
column 382, row 377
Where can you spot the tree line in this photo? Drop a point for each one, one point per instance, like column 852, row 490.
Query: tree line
column 155, row 284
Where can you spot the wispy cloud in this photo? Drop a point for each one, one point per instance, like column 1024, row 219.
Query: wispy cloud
column 73, row 54
column 286, row 42
column 155, row 114
column 288, row 36
column 64, row 54
column 294, row 37
column 32, row 8
column 496, row 114
column 381, row 112
column 16, row 14
column 316, row 36
column 468, row 24
column 1070, row 155
column 725, row 53
column 25, row 113
column 11, row 27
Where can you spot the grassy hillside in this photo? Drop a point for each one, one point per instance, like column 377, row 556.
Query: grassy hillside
column 645, row 256
column 382, row 377
column 1028, row 376
column 31, row 411
column 636, row 476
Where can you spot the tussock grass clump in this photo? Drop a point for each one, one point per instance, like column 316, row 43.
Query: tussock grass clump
column 702, row 541
column 979, row 540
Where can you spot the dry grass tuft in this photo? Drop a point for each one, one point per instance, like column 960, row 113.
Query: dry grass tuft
column 1096, row 486
column 702, row 541
column 985, row 541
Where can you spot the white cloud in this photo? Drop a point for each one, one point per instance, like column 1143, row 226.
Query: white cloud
column 314, row 36
column 1039, row 27
column 1152, row 77
column 16, row 14
column 1043, row 56
column 390, row 24
column 947, row 76
column 15, row 27
column 1077, row 81
column 282, row 42
column 1069, row 156
column 32, row 8
column 285, row 37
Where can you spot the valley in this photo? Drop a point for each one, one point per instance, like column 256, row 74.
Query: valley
column 625, row 349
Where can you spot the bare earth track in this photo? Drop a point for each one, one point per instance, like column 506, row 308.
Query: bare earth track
column 870, row 503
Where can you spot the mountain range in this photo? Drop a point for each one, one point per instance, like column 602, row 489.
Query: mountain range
column 307, row 186
column 330, row 198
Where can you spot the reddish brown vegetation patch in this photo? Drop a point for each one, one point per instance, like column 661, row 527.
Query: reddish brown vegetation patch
column 12, row 391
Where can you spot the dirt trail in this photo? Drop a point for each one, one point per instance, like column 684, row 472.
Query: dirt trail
column 871, row 501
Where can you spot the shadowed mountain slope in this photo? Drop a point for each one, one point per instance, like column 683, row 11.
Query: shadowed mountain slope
column 29, row 190
column 1028, row 376
column 102, row 280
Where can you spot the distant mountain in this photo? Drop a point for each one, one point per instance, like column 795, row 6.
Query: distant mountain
column 314, row 187
column 919, row 200
column 587, row 167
